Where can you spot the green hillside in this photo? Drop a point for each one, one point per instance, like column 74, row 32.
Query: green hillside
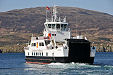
column 17, row 26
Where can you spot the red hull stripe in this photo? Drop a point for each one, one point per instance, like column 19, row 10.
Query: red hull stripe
column 37, row 63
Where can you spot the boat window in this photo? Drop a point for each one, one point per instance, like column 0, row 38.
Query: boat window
column 57, row 26
column 49, row 25
column 62, row 26
column 52, row 54
column 46, row 54
column 36, row 53
column 42, row 54
column 53, row 34
column 53, row 26
column 65, row 26
column 36, row 38
column 33, row 44
column 47, row 42
column 41, row 44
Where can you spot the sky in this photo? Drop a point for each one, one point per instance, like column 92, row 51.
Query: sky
column 105, row 6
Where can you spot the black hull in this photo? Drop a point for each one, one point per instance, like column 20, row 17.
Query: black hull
column 46, row 60
column 79, row 52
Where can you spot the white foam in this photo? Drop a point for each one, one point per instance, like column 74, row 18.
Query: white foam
column 108, row 66
column 56, row 64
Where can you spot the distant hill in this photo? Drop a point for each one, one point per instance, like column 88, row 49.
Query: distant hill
column 16, row 26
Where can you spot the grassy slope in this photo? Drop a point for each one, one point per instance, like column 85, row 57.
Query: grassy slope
column 17, row 26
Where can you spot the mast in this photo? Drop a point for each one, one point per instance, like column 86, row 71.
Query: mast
column 54, row 18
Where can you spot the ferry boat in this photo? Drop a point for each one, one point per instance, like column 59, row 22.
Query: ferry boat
column 57, row 45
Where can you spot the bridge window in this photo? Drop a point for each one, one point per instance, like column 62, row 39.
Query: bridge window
column 57, row 26
column 53, row 26
column 49, row 25
column 63, row 26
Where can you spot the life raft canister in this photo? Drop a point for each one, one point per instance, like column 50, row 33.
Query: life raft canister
column 49, row 35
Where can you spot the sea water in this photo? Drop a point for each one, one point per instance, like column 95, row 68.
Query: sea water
column 14, row 64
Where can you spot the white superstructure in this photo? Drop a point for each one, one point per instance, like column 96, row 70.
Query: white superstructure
column 52, row 43
column 44, row 47
column 57, row 27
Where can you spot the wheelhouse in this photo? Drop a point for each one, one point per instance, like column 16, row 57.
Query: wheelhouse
column 57, row 26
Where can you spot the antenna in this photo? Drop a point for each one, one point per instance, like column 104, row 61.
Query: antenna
column 64, row 19
column 76, row 27
column 54, row 13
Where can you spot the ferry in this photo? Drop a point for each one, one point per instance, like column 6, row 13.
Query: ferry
column 57, row 45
